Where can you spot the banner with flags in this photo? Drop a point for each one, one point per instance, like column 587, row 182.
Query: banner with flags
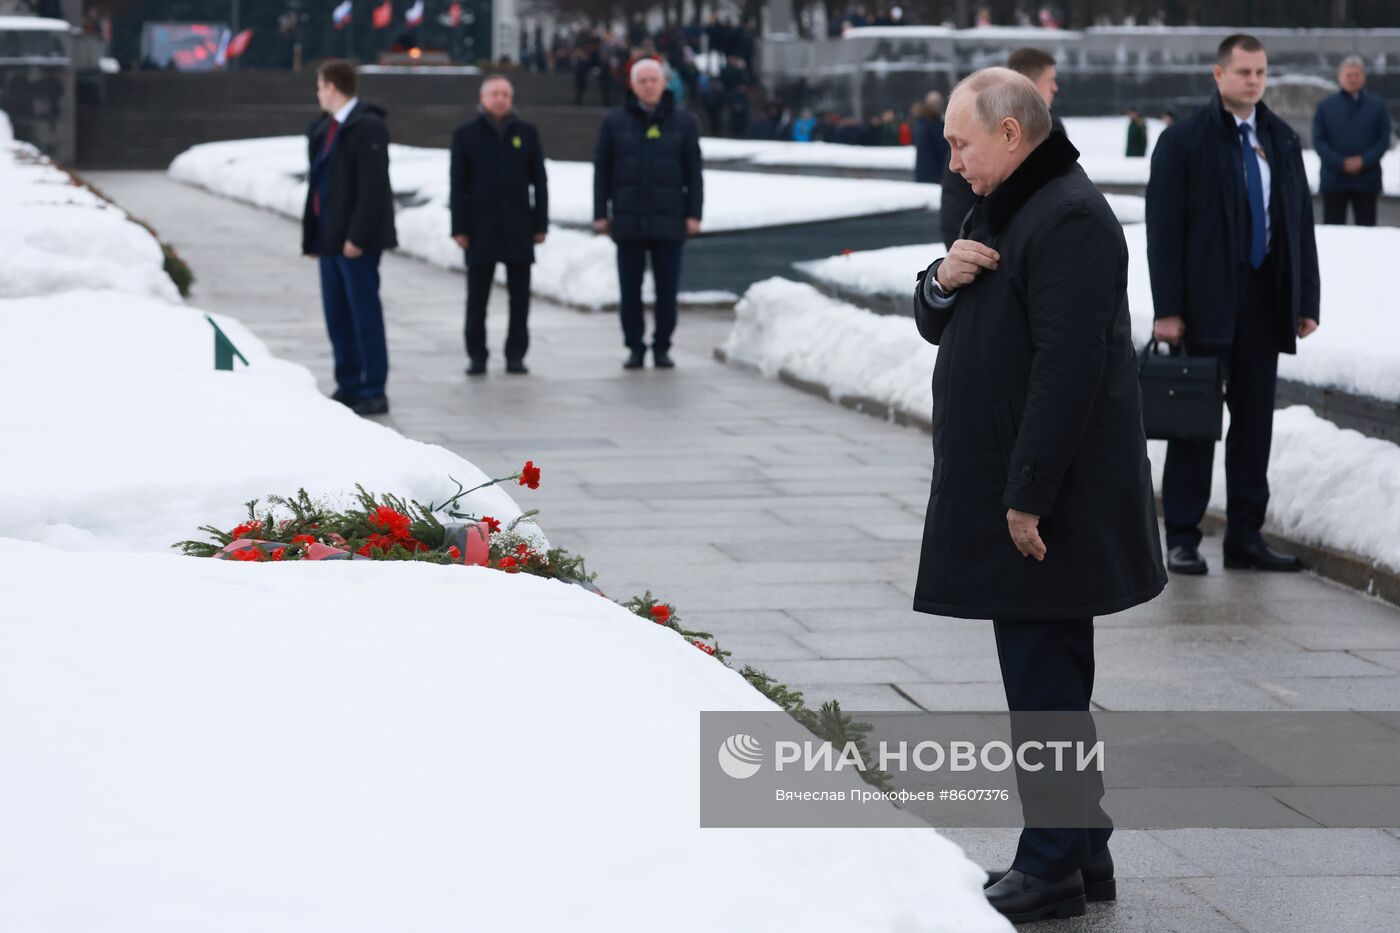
column 414, row 15
column 232, row 46
column 384, row 14
column 340, row 16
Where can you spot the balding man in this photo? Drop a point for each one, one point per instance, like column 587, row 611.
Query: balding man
column 500, row 213
column 1041, row 513
column 648, row 194
column 1351, row 132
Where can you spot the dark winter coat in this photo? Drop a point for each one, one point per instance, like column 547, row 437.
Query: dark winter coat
column 1137, row 138
column 958, row 197
column 646, row 171
column 1036, row 408
column 1198, row 225
column 930, row 152
column 357, row 202
column 1348, row 126
column 494, row 170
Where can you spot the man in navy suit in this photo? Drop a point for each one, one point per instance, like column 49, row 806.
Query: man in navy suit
column 1234, row 273
column 347, row 224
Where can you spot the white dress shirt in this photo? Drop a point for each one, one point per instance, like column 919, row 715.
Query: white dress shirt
column 343, row 114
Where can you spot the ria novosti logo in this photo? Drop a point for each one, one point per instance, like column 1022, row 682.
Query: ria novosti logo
column 740, row 756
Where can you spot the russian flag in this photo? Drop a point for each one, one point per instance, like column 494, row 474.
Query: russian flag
column 341, row 14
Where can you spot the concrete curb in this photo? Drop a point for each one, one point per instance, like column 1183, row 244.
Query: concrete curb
column 1351, row 570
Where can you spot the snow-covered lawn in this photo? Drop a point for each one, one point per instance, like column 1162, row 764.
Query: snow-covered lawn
column 1357, row 349
column 1330, row 486
column 192, row 744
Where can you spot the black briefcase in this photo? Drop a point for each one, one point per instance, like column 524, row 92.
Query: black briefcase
column 1182, row 396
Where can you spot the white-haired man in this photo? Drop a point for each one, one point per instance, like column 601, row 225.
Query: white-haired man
column 648, row 194
column 1041, row 513
column 1351, row 132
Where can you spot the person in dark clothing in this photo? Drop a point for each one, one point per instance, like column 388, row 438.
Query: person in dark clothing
column 1041, row 514
column 1351, row 132
column 348, row 222
column 735, row 78
column 1137, row 134
column 930, row 148
column 958, row 198
column 497, row 164
column 1234, row 271
column 648, row 193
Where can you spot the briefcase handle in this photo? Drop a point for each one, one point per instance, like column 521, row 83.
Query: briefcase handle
column 1151, row 348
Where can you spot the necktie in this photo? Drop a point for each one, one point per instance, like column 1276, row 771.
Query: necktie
column 1254, row 181
column 325, row 151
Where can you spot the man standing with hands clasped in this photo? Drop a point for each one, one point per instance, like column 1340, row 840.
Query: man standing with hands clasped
column 347, row 224
column 1233, row 261
column 1041, row 513
column 497, row 163
column 1351, row 132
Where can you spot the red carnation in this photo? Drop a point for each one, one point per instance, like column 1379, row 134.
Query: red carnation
column 522, row 549
column 708, row 649
column 662, row 614
column 508, row 564
column 247, row 553
column 453, row 553
column 530, row 475
column 303, row 540
column 388, row 520
column 278, row 553
column 493, row 525
column 246, row 528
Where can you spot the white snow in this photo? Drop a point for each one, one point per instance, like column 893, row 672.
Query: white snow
column 32, row 24
column 1357, row 348
column 1329, row 486
column 7, row 130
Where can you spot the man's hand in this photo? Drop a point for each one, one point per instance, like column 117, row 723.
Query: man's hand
column 602, row 226
column 1169, row 329
column 539, row 238
column 352, row 251
column 1306, row 326
column 966, row 260
column 1353, row 165
column 463, row 241
column 1025, row 533
column 692, row 226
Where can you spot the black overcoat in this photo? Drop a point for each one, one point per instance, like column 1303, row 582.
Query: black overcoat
column 647, row 169
column 1036, row 408
column 357, row 202
column 494, row 170
column 1198, row 226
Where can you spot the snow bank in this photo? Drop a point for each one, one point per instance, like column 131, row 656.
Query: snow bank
column 58, row 235
column 1357, row 349
column 7, row 130
column 1330, row 486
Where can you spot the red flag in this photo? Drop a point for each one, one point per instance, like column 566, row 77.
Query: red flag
column 238, row 44
column 384, row 14
column 455, row 12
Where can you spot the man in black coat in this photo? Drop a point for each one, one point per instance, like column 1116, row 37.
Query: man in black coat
column 930, row 148
column 497, row 162
column 1351, row 133
column 1041, row 514
column 1234, row 271
column 958, row 198
column 648, row 193
column 348, row 222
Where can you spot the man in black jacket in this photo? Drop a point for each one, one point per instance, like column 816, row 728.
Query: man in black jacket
column 1234, row 272
column 497, row 162
column 1351, row 133
column 958, row 197
column 648, row 193
column 1041, row 513
column 348, row 222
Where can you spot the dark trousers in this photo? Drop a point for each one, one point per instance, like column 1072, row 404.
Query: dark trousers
column 666, row 271
column 1251, row 373
column 1049, row 666
column 479, row 280
column 355, row 323
column 1363, row 207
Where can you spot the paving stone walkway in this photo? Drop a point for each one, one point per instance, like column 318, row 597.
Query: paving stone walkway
column 790, row 527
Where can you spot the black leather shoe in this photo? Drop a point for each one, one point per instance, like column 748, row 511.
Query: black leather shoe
column 662, row 359
column 1259, row 556
column 635, row 360
column 1021, row 898
column 1188, row 560
column 1099, row 884
column 516, row 367
column 343, row 397
column 476, row 368
column 373, row 405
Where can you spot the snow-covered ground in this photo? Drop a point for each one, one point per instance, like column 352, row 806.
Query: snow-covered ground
column 1329, row 486
column 1357, row 349
column 191, row 744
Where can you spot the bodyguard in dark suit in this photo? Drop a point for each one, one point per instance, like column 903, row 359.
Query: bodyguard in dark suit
column 348, row 223
column 497, row 163
column 1351, row 132
column 930, row 148
column 1040, row 514
column 1234, row 275
column 648, row 193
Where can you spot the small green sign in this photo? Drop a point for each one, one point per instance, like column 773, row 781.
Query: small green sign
column 224, row 350
column 654, row 132
column 515, row 141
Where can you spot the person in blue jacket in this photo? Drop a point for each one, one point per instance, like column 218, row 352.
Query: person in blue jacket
column 1351, row 131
